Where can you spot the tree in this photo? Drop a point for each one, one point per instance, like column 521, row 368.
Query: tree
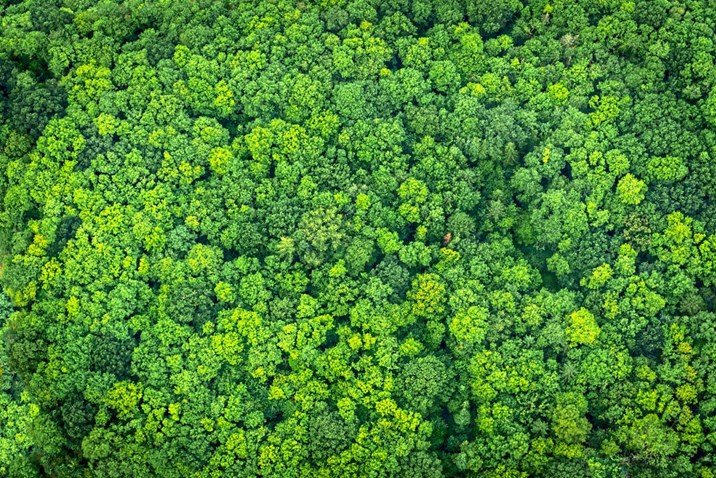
column 357, row 238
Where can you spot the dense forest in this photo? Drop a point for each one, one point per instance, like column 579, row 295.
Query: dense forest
column 358, row 238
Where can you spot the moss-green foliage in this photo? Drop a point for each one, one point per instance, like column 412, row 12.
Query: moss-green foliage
column 358, row 238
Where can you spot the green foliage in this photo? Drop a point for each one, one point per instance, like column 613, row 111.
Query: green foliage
column 357, row 238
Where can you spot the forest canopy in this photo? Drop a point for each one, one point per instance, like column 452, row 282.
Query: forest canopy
column 358, row 238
